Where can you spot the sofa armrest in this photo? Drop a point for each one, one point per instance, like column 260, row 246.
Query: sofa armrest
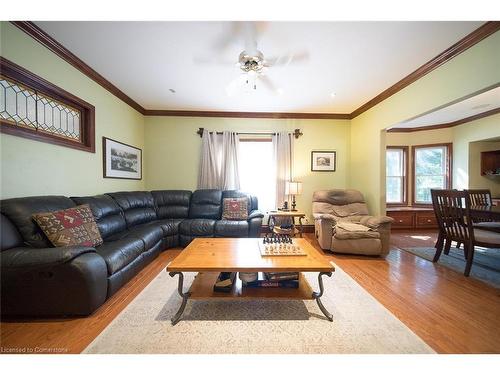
column 52, row 281
column 255, row 214
column 255, row 223
column 325, row 217
column 23, row 257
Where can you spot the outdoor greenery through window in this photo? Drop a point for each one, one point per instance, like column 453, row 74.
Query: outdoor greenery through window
column 431, row 165
column 395, row 175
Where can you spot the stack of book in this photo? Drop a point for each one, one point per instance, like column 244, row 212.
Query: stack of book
column 275, row 280
column 225, row 282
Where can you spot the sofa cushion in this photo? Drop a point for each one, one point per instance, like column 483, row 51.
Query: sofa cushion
column 70, row 227
column 343, row 234
column 20, row 212
column 206, row 204
column 149, row 233
column 197, row 227
column 138, row 206
column 118, row 254
column 235, row 208
column 231, row 228
column 108, row 215
column 170, row 227
column 172, row 204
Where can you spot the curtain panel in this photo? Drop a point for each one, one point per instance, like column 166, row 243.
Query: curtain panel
column 219, row 167
column 283, row 162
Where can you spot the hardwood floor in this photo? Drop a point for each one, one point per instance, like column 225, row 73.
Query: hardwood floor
column 452, row 313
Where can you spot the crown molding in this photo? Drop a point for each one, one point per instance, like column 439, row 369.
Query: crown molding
column 468, row 41
column 463, row 44
column 446, row 125
column 274, row 115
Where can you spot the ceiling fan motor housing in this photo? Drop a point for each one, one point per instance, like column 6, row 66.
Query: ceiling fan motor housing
column 251, row 62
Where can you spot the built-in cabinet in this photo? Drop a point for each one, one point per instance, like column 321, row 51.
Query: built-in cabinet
column 412, row 218
column 490, row 163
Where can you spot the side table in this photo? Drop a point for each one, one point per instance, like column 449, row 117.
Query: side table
column 277, row 229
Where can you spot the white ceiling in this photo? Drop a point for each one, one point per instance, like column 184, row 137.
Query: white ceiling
column 355, row 60
column 471, row 106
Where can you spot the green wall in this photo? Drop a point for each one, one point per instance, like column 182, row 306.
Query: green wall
column 469, row 72
column 174, row 150
column 35, row 168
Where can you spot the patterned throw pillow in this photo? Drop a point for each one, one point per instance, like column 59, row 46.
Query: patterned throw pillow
column 73, row 226
column 235, row 208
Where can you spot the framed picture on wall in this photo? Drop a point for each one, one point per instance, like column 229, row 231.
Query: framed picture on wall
column 323, row 161
column 121, row 160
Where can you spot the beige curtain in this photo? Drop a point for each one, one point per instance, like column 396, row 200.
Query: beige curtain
column 283, row 162
column 219, row 161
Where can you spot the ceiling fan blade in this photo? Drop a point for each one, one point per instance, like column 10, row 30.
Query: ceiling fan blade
column 287, row 59
column 268, row 83
column 231, row 36
column 250, row 37
column 200, row 60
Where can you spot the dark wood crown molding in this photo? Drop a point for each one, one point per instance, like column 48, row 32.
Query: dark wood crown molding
column 46, row 40
column 465, row 43
column 446, row 125
column 275, row 115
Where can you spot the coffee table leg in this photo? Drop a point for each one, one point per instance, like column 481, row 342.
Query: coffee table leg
column 317, row 296
column 184, row 296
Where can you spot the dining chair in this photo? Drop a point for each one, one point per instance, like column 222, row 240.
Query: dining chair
column 482, row 197
column 452, row 209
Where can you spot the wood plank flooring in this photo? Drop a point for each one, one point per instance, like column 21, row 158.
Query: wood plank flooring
column 452, row 313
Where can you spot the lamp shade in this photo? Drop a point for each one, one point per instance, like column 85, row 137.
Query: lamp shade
column 293, row 188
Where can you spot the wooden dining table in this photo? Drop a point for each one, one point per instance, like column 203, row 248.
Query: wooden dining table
column 486, row 212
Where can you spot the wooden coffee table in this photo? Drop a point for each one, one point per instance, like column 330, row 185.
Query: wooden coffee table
column 210, row 256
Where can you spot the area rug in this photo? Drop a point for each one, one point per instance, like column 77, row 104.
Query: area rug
column 361, row 324
column 485, row 266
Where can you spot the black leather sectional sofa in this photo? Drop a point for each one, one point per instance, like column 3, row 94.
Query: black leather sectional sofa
column 40, row 280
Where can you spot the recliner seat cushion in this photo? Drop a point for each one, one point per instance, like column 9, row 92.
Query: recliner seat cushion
column 170, row 227
column 138, row 206
column 172, row 204
column 149, row 233
column 108, row 215
column 206, row 204
column 231, row 228
column 197, row 227
column 20, row 211
column 118, row 254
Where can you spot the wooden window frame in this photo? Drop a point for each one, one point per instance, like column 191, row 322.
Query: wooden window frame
column 406, row 166
column 32, row 81
column 448, row 174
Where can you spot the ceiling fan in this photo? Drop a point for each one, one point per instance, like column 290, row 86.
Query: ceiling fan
column 251, row 61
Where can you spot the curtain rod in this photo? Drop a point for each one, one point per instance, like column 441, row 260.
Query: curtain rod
column 297, row 133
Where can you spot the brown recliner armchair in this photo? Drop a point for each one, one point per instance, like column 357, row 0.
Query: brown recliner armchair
column 343, row 225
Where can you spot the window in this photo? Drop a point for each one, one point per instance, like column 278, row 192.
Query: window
column 432, row 169
column 396, row 175
column 257, row 174
column 33, row 108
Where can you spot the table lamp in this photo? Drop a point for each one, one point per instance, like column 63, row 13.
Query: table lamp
column 293, row 188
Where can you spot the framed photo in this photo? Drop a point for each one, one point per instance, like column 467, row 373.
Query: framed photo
column 323, row 161
column 121, row 160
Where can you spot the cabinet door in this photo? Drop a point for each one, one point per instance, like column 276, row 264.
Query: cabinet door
column 426, row 220
column 402, row 220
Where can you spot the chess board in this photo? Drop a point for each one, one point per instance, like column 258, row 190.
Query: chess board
column 280, row 249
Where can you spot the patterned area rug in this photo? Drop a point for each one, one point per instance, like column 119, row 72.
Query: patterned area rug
column 361, row 324
column 485, row 266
